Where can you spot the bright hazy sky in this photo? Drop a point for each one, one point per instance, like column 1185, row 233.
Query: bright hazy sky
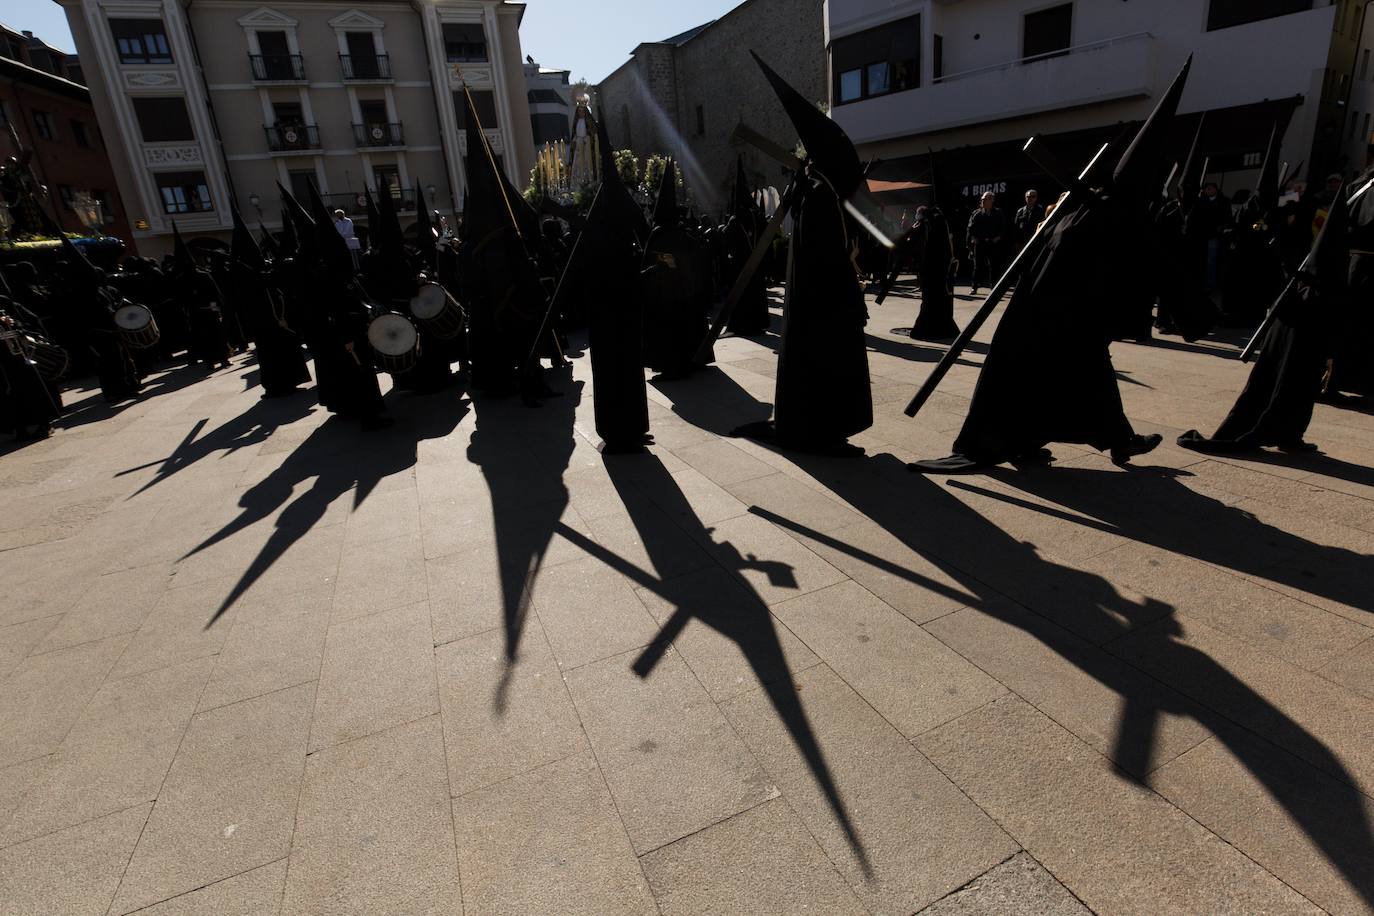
column 589, row 37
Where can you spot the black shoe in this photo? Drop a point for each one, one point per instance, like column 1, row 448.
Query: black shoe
column 1136, row 445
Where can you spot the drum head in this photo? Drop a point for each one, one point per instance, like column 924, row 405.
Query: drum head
column 392, row 335
column 429, row 302
column 133, row 317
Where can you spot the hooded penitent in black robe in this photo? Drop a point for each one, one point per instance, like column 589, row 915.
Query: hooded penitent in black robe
column 1276, row 405
column 676, row 280
column 1048, row 374
column 27, row 405
column 1254, row 274
column 750, row 317
column 822, row 395
column 93, row 305
column 280, row 357
column 197, row 293
column 934, row 253
column 1352, row 368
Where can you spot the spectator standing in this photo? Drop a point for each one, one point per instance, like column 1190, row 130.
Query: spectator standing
column 344, row 225
column 987, row 228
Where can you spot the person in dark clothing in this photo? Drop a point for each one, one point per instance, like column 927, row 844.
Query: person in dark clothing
column 199, row 295
column 823, row 395
column 1206, row 224
column 1351, row 369
column 281, row 360
column 28, row 404
column 1028, row 217
column 1276, row 405
column 934, row 252
column 1048, row 375
column 987, row 229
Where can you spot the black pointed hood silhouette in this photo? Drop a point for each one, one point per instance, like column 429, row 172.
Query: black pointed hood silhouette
column 1267, row 190
column 266, row 243
column 741, row 202
column 374, row 219
column 333, row 248
column 1137, row 171
column 243, row 248
column 618, row 196
column 828, row 147
column 1190, row 179
column 388, row 233
column 424, row 231
column 290, row 242
column 81, row 264
column 665, row 204
column 1329, row 259
column 484, row 210
column 185, row 258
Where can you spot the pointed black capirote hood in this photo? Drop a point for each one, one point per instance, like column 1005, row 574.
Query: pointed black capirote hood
column 243, row 248
column 1138, row 170
column 484, row 209
column 1267, row 190
column 388, row 235
column 1329, row 259
column 1190, row 179
column 181, row 251
column 619, row 200
column 79, row 262
column 828, row 147
column 266, row 243
column 302, row 226
column 665, row 204
column 333, row 248
column 374, row 219
column 424, row 230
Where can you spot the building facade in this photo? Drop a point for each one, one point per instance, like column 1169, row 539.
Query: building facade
column 53, row 117
column 208, row 102
column 684, row 96
column 550, row 96
column 972, row 80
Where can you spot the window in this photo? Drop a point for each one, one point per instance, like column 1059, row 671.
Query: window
column 701, row 121
column 82, row 138
column 1048, row 33
column 465, row 42
column 141, row 41
column 939, row 57
column 388, row 180
column 876, row 62
column 1223, row 14
column 43, row 123
column 184, row 192
column 301, row 183
column 483, row 102
column 288, row 113
column 549, row 128
column 373, row 112
column 163, row 119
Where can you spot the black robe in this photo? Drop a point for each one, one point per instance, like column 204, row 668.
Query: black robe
column 677, row 298
column 27, row 403
column 281, row 359
column 823, row 394
column 1184, row 306
column 201, row 298
column 936, row 319
column 1048, row 375
column 615, row 329
column 750, row 317
column 1276, row 404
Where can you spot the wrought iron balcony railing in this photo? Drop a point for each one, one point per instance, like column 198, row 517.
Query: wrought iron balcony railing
column 377, row 134
column 285, row 138
column 358, row 67
column 277, row 68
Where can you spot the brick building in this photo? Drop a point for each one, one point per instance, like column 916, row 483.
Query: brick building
column 54, row 117
column 685, row 95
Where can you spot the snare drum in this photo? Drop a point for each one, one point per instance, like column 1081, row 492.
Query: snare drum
column 395, row 341
column 137, row 326
column 52, row 361
column 437, row 311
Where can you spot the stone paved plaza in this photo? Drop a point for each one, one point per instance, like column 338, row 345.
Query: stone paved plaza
column 254, row 661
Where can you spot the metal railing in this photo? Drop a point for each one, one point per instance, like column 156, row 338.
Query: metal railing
column 277, row 67
column 282, row 138
column 1062, row 52
column 358, row 67
column 378, row 134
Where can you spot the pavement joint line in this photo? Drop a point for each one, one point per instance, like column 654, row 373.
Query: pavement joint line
column 193, row 890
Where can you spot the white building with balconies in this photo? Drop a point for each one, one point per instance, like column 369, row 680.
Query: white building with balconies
column 963, row 83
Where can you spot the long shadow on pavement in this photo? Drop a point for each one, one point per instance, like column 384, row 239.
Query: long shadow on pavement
column 339, row 457
column 974, row 552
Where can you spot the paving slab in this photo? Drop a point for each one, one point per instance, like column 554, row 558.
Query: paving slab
column 1019, row 885
column 1313, row 832
column 589, row 611
column 548, row 841
column 256, row 892
column 271, row 648
column 1116, row 845
column 672, row 762
column 761, row 862
column 116, row 754
column 73, row 871
column 374, row 833
column 378, row 672
column 229, row 801
column 19, row 639
column 913, row 836
column 503, row 718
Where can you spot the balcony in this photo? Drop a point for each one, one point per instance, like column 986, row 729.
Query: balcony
column 354, row 203
column 1103, row 71
column 278, row 68
column 378, row 135
column 358, row 69
column 292, row 138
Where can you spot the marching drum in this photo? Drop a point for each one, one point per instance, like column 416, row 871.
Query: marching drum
column 52, row 361
column 439, row 312
column 137, row 325
column 395, row 341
